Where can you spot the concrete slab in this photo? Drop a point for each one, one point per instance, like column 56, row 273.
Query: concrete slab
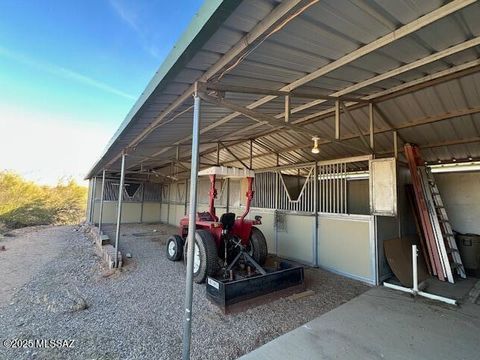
column 383, row 324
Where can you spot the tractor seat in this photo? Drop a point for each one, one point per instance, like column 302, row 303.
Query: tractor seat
column 227, row 220
column 205, row 216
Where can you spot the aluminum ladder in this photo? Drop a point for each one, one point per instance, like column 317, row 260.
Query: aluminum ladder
column 443, row 230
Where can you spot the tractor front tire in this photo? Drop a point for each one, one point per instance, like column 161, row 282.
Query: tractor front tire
column 205, row 256
column 174, row 248
column 258, row 246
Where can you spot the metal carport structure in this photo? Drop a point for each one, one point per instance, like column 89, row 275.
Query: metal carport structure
column 364, row 77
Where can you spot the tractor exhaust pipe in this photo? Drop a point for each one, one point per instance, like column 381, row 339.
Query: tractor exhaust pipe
column 249, row 195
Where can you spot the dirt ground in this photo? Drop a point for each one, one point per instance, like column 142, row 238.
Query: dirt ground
column 25, row 252
column 135, row 313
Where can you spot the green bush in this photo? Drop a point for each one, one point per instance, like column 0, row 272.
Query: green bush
column 24, row 203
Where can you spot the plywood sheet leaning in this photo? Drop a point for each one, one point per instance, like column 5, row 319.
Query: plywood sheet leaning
column 399, row 257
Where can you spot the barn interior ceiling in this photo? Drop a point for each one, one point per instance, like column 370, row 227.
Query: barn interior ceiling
column 272, row 75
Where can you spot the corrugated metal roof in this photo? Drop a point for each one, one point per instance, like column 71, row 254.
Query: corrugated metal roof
column 323, row 33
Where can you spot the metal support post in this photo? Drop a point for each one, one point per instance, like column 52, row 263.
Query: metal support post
column 395, row 144
column 143, row 200
column 251, row 154
column 169, row 196
column 277, row 184
column 414, row 265
column 119, row 209
column 187, row 327
column 102, row 195
column 228, row 195
column 187, row 181
column 337, row 119
column 218, row 154
column 287, row 108
column 371, row 126
column 315, row 209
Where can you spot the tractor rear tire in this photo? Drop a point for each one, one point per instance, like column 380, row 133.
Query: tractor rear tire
column 258, row 246
column 205, row 261
column 174, row 248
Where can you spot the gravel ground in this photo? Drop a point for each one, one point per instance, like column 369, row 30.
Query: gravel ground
column 23, row 252
column 137, row 313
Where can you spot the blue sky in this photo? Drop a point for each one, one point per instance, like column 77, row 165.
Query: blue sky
column 71, row 70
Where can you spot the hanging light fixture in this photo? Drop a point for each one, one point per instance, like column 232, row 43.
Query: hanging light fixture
column 315, row 149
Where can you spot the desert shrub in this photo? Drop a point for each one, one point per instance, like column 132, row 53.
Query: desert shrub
column 24, row 203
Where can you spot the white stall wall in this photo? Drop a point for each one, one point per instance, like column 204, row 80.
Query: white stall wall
column 295, row 240
column 346, row 246
column 461, row 195
column 130, row 212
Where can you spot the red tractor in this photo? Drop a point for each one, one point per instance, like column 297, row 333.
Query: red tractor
column 225, row 242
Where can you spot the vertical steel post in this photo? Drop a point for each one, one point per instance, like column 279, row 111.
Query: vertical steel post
column 187, row 324
column 371, row 126
column 119, row 209
column 251, row 154
column 345, row 205
column 315, row 209
column 169, row 195
column 414, row 269
column 102, row 195
column 276, row 203
column 395, row 144
column 92, row 206
column 337, row 119
column 143, row 200
column 186, row 197
column 218, row 154
column 228, row 196
column 287, row 108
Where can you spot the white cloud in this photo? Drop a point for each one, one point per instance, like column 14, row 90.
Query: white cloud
column 63, row 72
column 45, row 148
column 129, row 13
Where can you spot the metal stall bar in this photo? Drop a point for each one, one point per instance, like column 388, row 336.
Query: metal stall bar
column 119, row 209
column 187, row 324
column 228, row 195
column 329, row 189
column 102, row 196
column 322, row 188
column 344, row 185
column 315, row 210
column 340, row 181
column 337, row 189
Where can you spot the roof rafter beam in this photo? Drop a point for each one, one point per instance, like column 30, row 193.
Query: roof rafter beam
column 401, row 32
column 392, row 73
column 418, row 122
column 259, row 91
column 270, row 149
column 235, row 156
column 439, row 144
column 360, row 131
column 264, row 118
